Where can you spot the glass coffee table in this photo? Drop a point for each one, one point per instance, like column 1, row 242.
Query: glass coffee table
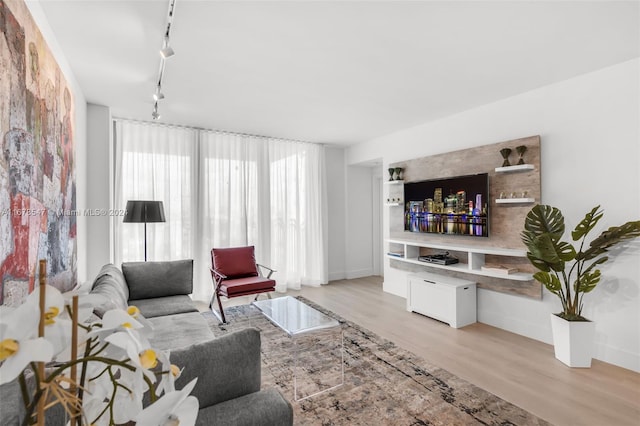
column 312, row 334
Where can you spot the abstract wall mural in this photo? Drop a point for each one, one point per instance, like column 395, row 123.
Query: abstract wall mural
column 37, row 171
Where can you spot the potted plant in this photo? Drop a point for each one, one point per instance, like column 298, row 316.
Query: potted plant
column 570, row 273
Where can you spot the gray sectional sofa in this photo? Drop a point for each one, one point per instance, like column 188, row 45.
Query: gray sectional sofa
column 228, row 368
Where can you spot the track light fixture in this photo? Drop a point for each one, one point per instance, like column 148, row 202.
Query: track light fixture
column 165, row 52
column 158, row 95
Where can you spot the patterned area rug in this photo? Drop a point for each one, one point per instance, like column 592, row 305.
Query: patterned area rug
column 383, row 384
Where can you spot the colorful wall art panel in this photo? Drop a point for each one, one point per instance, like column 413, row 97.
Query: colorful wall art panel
column 37, row 179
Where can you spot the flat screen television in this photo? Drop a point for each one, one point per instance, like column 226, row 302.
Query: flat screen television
column 449, row 206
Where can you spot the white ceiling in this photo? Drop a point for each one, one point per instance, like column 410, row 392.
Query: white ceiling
column 333, row 72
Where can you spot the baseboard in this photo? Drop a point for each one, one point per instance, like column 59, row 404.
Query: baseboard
column 617, row 356
column 541, row 332
column 335, row 276
column 359, row 273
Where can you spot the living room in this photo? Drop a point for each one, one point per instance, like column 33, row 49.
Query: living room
column 581, row 101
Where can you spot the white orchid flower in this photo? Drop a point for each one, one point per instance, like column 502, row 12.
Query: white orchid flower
column 170, row 373
column 18, row 345
column 128, row 402
column 119, row 318
column 137, row 348
column 137, row 315
column 114, row 321
column 172, row 409
column 125, row 393
column 56, row 319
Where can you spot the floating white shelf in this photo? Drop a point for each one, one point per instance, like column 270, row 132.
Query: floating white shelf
column 392, row 204
column 515, row 169
column 475, row 258
column 515, row 200
column 393, row 182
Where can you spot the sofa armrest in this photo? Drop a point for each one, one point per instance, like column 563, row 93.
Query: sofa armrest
column 226, row 367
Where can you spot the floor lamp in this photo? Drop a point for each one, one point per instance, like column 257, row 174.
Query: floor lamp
column 144, row 212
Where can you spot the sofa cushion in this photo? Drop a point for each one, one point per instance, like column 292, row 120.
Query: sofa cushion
column 248, row 285
column 235, row 262
column 168, row 305
column 111, row 285
column 177, row 331
column 226, row 367
column 157, row 279
column 266, row 407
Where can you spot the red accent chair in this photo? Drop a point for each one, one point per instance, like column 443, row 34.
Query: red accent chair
column 235, row 273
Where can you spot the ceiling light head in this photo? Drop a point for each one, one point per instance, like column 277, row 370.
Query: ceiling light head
column 155, row 115
column 167, row 51
column 158, row 95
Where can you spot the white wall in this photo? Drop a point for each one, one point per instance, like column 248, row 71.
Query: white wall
column 359, row 241
column 590, row 132
column 336, row 210
column 99, row 163
column 80, row 135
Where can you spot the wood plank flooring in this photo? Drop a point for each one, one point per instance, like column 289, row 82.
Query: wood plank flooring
column 518, row 369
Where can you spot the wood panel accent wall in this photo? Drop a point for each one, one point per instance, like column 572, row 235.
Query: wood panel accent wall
column 506, row 221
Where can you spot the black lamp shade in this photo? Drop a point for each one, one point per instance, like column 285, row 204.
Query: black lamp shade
column 144, row 212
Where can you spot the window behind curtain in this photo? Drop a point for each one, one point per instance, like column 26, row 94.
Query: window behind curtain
column 223, row 190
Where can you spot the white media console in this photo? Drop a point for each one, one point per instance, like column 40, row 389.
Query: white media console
column 447, row 299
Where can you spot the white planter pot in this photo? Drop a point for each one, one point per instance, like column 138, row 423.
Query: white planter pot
column 573, row 341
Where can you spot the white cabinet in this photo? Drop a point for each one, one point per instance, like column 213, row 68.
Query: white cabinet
column 446, row 299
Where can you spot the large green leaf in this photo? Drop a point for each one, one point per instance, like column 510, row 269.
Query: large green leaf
column 538, row 263
column 611, row 237
column 600, row 261
column 544, row 219
column 586, row 225
column 588, row 282
column 553, row 253
column 550, row 281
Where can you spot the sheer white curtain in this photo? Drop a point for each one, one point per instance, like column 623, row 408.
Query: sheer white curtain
column 224, row 190
column 155, row 162
column 232, row 196
column 297, row 193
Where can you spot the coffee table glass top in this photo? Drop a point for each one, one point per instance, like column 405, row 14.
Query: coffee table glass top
column 293, row 316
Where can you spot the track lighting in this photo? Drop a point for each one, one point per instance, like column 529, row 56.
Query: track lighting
column 165, row 52
column 158, row 95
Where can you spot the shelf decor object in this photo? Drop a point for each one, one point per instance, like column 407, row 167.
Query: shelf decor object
column 505, row 152
column 391, row 169
column 398, row 173
column 521, row 150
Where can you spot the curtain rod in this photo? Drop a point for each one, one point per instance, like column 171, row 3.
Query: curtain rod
column 222, row 132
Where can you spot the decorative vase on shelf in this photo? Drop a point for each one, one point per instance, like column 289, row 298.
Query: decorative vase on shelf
column 398, row 173
column 505, row 152
column 391, row 173
column 521, row 150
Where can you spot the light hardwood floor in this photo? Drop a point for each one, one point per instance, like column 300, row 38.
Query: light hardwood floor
column 518, row 369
